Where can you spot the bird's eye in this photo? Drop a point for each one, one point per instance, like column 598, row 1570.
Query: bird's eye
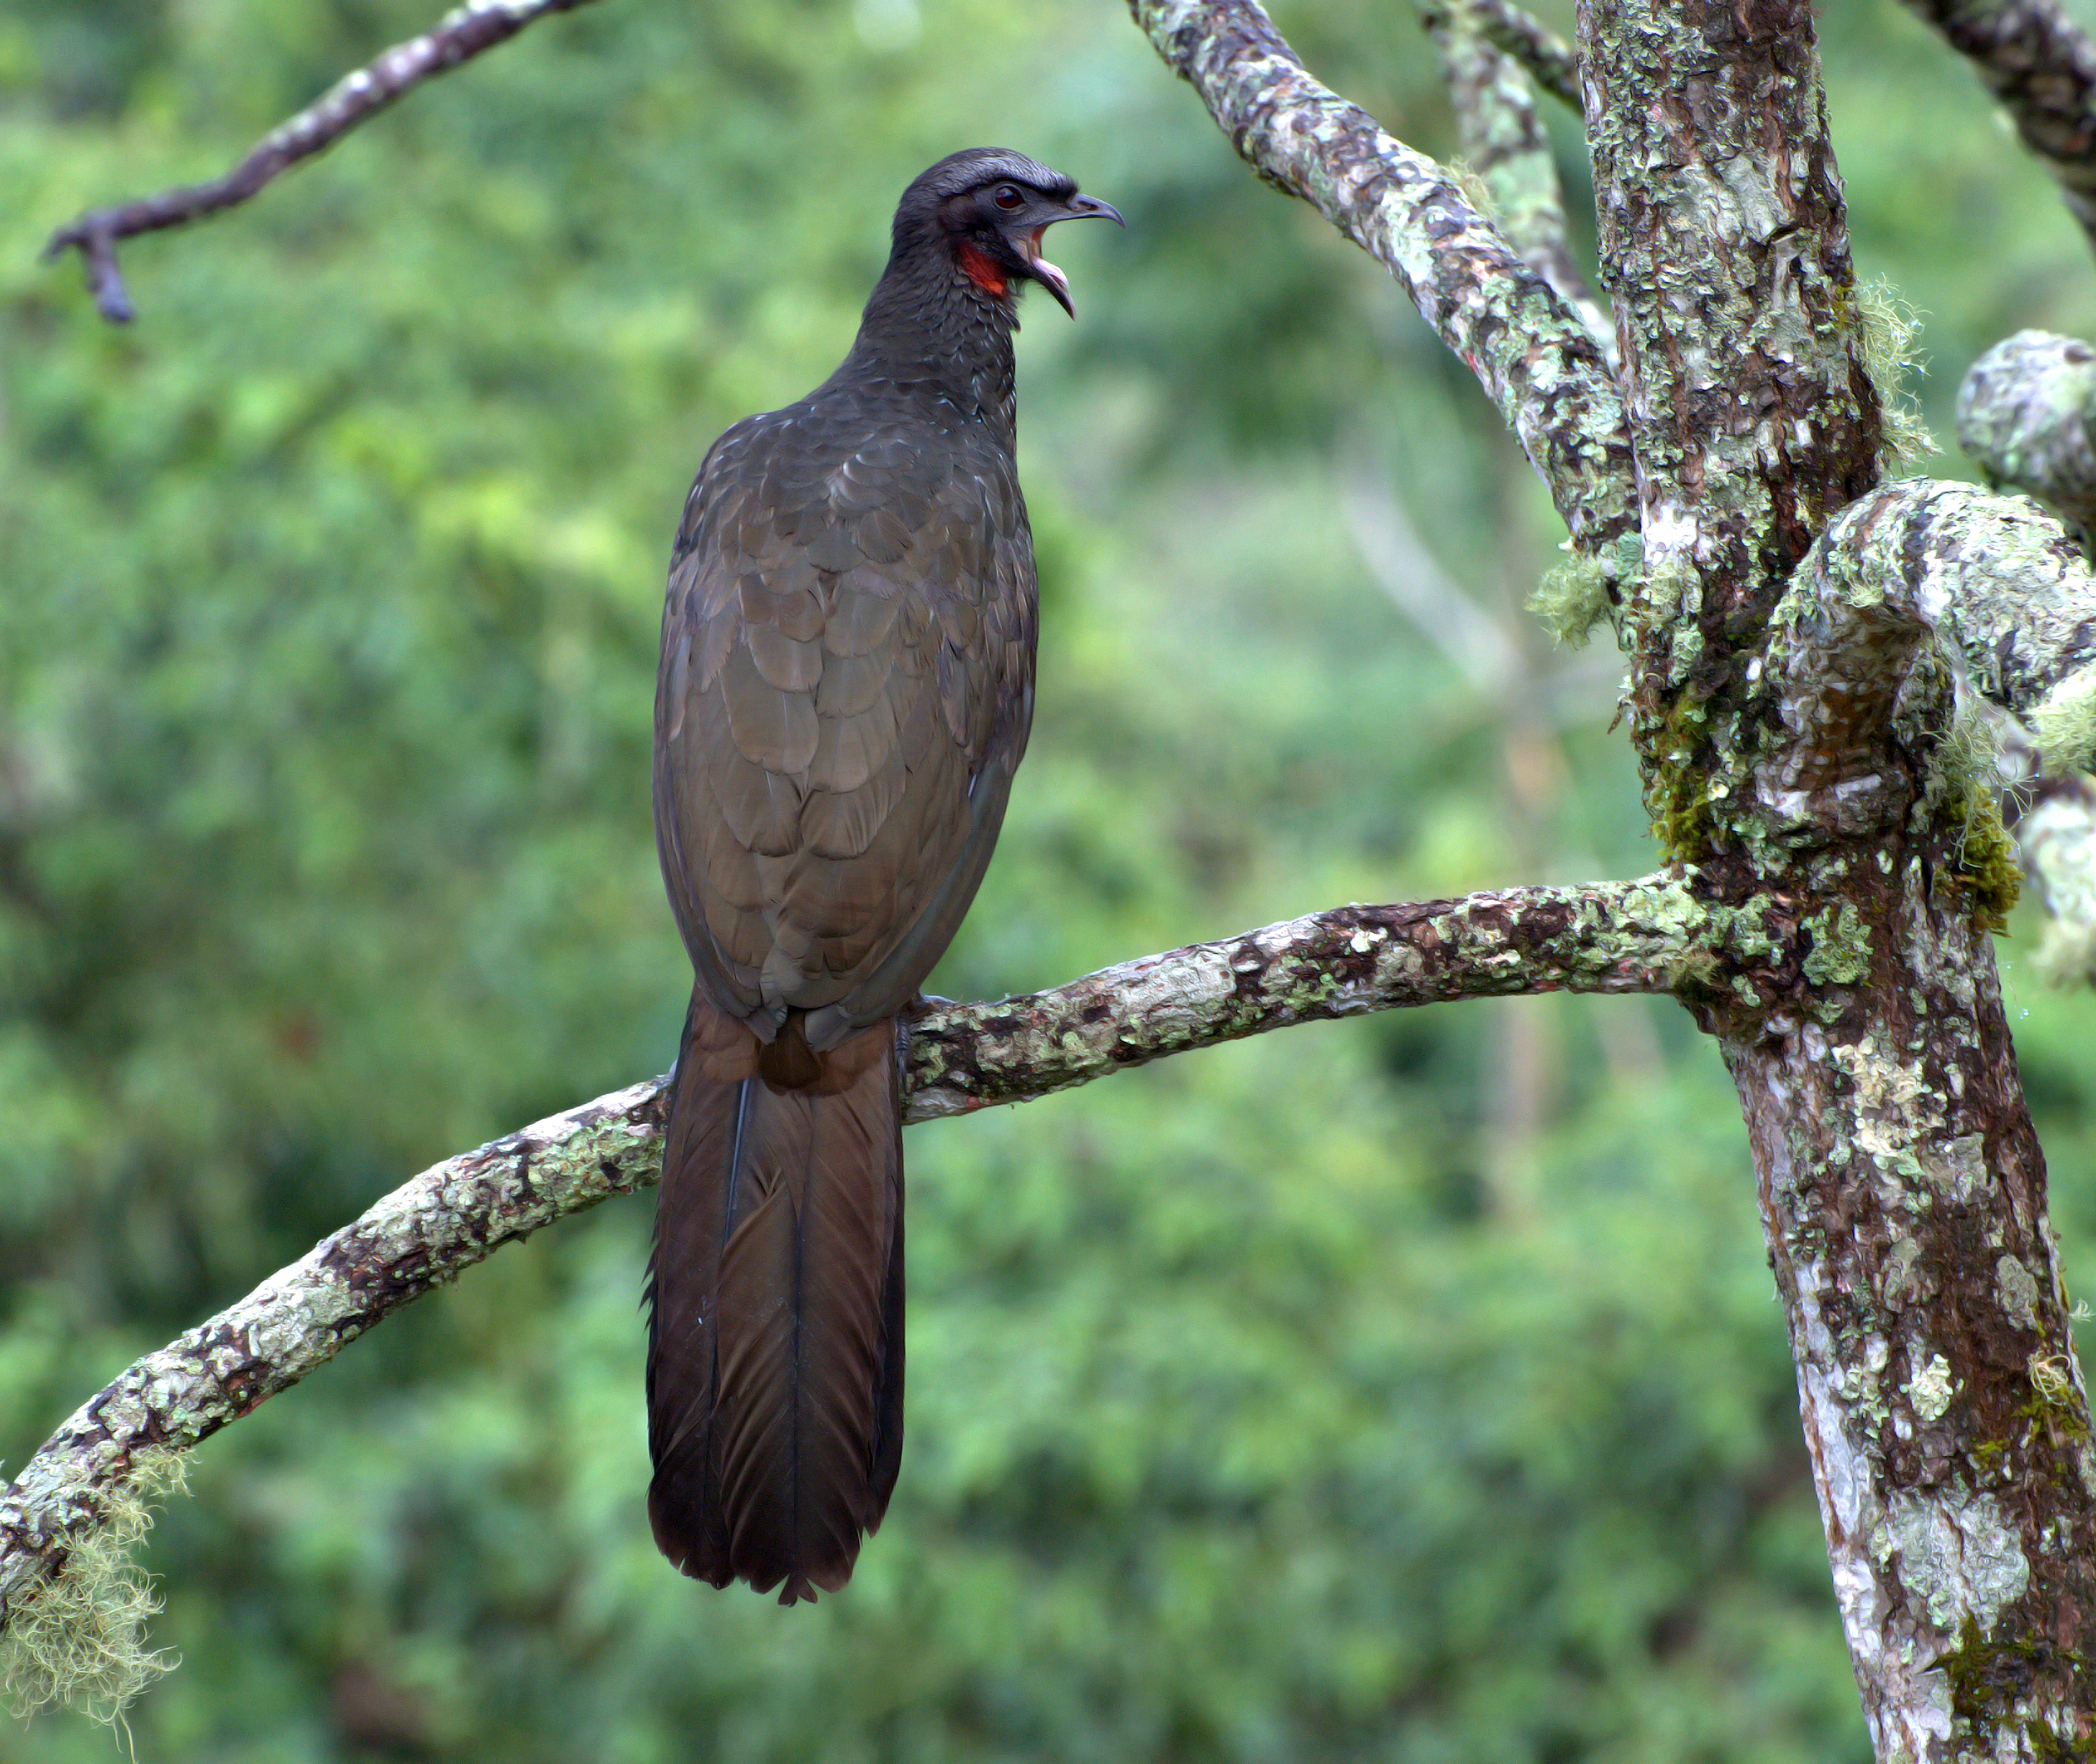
column 1007, row 198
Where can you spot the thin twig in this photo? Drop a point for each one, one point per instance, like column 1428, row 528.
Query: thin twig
column 1648, row 935
column 456, row 38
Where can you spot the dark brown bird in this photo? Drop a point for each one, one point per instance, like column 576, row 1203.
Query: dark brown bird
column 846, row 689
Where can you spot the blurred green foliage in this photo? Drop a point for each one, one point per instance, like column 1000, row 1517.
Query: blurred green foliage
column 1404, row 1389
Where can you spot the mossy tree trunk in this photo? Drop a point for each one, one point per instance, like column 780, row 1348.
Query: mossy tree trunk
column 1794, row 724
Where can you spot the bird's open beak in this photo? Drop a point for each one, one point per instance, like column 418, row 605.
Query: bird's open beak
column 1081, row 208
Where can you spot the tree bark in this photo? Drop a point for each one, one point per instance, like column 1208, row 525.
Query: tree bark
column 1792, row 723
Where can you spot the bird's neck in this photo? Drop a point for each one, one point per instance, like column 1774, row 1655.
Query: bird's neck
column 929, row 321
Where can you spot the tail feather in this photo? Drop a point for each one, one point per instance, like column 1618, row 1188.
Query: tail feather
column 775, row 1346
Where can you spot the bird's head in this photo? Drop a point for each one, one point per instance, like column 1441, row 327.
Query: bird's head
column 987, row 209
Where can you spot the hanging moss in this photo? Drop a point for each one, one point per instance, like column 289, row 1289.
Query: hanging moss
column 1676, row 792
column 1572, row 599
column 1886, row 328
column 80, row 1639
column 1988, row 863
column 1962, row 783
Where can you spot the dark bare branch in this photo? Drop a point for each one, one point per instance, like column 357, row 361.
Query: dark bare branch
column 2042, row 66
column 458, row 37
column 1530, row 351
column 1648, row 935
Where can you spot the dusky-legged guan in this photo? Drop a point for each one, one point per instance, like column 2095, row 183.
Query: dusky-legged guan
column 845, row 688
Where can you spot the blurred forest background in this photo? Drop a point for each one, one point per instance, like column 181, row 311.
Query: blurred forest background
column 1404, row 1389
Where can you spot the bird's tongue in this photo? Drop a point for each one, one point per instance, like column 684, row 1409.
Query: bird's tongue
column 1054, row 275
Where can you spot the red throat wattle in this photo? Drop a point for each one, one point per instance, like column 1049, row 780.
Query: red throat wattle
column 982, row 271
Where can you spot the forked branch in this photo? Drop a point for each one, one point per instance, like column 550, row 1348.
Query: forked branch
column 1503, row 139
column 1650, row 936
column 458, row 37
column 1528, row 348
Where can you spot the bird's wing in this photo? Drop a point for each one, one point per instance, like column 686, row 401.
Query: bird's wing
column 846, row 686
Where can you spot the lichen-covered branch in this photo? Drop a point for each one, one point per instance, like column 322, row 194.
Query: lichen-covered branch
column 2023, row 418
column 2012, row 593
column 1997, row 577
column 1649, row 936
column 417, row 1237
column 1550, row 60
column 1530, row 351
column 2042, row 66
column 1638, row 936
column 1728, row 265
column 1502, row 142
column 458, row 37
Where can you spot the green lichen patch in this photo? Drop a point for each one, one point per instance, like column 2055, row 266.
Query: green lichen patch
column 1841, row 952
column 1572, row 599
column 80, row 1639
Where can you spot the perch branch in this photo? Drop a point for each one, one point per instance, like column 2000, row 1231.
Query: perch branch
column 2042, row 66
column 1639, row 937
column 458, row 37
column 1527, row 348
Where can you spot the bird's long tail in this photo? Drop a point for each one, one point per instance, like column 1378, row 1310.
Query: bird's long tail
column 774, row 1346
